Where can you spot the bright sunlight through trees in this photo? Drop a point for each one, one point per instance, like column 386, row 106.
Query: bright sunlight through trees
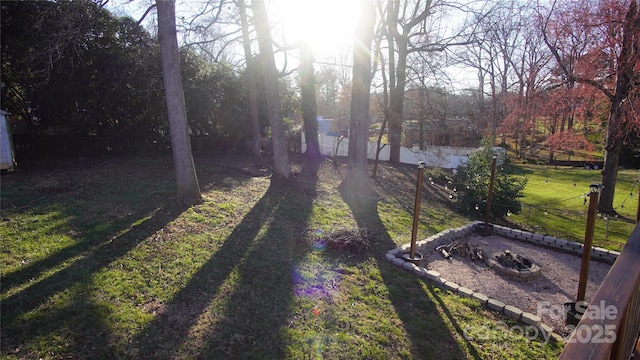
column 327, row 25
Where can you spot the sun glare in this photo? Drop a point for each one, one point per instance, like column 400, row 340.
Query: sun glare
column 325, row 24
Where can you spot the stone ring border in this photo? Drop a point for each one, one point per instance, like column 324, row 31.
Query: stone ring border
column 395, row 257
column 533, row 272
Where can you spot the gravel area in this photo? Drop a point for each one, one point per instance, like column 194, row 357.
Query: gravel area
column 543, row 296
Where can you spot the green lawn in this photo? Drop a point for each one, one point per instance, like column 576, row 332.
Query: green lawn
column 99, row 262
column 555, row 204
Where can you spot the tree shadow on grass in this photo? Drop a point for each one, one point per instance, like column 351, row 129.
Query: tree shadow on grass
column 50, row 306
column 453, row 321
column 36, row 268
column 29, row 313
column 90, row 203
column 395, row 187
column 429, row 333
column 236, row 302
column 86, row 205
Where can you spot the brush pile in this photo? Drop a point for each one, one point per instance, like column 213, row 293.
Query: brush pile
column 354, row 241
column 461, row 247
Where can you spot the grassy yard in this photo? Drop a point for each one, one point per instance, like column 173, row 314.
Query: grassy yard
column 98, row 261
column 555, row 204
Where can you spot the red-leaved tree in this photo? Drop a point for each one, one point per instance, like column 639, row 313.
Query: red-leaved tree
column 597, row 43
column 569, row 141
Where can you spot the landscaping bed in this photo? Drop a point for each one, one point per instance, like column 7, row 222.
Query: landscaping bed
column 559, row 262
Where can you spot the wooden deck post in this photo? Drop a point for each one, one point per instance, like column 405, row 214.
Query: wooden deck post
column 588, row 241
column 416, row 210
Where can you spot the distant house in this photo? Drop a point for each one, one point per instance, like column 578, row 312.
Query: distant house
column 456, row 132
column 326, row 126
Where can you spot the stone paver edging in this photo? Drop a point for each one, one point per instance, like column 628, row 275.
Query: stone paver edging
column 395, row 256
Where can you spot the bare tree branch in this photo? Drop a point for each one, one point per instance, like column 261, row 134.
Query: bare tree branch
column 145, row 14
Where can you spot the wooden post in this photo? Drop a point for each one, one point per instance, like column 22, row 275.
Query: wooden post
column 416, row 210
column 638, row 212
column 490, row 195
column 588, row 240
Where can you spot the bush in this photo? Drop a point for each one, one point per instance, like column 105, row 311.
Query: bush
column 472, row 181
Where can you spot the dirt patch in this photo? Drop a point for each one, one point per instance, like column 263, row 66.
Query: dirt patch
column 543, row 296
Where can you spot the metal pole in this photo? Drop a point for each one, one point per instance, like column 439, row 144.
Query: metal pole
column 529, row 214
column 490, row 196
column 588, row 240
column 416, row 210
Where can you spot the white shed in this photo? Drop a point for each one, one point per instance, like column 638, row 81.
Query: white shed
column 7, row 159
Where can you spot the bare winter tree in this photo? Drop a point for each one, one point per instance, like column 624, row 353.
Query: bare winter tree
column 188, row 189
column 281, row 166
column 309, row 104
column 252, row 92
column 499, row 40
column 356, row 182
column 513, row 71
column 530, row 65
column 408, row 31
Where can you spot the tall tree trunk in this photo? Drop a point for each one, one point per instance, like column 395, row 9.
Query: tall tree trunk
column 552, row 130
column 400, row 31
column 494, row 108
column 281, row 166
column 421, row 119
column 309, row 105
column 396, row 102
column 385, row 107
column 609, row 173
column 481, row 104
column 374, row 172
column 252, row 87
column 188, row 190
column 627, row 60
column 395, row 120
column 356, row 181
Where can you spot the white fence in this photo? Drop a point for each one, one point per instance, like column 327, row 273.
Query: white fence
column 7, row 159
column 434, row 156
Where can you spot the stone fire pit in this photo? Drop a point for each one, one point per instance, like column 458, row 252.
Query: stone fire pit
column 550, row 266
column 514, row 266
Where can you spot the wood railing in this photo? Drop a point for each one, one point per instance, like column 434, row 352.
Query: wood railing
column 610, row 328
